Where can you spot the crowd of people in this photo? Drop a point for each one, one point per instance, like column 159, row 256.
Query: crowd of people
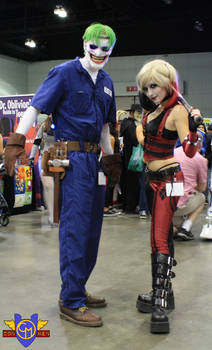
column 79, row 95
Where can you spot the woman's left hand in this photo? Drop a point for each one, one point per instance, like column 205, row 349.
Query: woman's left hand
column 195, row 118
column 194, row 112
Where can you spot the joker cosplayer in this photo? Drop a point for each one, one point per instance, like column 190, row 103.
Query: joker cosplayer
column 80, row 96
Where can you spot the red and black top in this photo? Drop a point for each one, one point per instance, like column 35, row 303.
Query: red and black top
column 159, row 143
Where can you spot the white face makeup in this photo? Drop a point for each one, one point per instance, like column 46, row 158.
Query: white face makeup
column 155, row 92
column 97, row 55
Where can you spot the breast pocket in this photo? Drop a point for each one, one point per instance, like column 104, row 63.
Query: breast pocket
column 80, row 102
column 104, row 103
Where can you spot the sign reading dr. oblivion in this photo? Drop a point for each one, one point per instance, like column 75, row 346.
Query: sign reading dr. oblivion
column 12, row 109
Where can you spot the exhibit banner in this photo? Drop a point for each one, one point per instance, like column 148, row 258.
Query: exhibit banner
column 23, row 186
column 12, row 109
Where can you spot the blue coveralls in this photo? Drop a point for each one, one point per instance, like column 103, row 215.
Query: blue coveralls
column 79, row 108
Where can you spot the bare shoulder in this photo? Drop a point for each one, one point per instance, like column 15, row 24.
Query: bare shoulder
column 177, row 119
column 179, row 111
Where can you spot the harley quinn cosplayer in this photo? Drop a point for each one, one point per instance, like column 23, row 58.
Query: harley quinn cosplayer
column 80, row 96
column 165, row 120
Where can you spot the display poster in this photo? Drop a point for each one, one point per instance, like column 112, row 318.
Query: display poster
column 12, row 109
column 19, row 183
column 23, row 186
column 28, row 185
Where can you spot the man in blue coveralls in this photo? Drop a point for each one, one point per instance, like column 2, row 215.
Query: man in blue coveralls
column 80, row 96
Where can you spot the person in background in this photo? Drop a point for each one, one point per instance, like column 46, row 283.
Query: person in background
column 120, row 116
column 121, row 195
column 143, row 204
column 208, row 152
column 208, row 156
column 191, row 204
column 202, row 128
column 209, row 135
column 165, row 119
column 109, row 209
column 130, row 179
column 80, row 96
column 45, row 137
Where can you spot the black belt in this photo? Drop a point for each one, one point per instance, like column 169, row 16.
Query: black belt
column 162, row 174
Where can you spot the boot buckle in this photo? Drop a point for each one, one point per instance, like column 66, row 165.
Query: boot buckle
column 164, row 294
column 167, row 283
column 163, row 303
column 171, row 261
column 170, row 273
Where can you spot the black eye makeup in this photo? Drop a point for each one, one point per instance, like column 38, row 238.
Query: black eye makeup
column 93, row 46
column 105, row 48
column 151, row 86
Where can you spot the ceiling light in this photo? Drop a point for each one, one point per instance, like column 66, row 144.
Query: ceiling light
column 60, row 11
column 168, row 2
column 198, row 26
column 30, row 42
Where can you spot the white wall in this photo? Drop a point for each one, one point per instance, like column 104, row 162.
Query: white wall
column 194, row 69
column 13, row 76
column 37, row 72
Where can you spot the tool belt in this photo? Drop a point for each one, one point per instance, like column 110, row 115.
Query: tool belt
column 58, row 155
column 82, row 146
column 58, row 158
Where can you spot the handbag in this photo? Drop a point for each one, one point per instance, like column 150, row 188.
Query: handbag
column 136, row 162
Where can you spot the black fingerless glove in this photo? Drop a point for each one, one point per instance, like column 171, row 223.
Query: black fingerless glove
column 192, row 125
column 194, row 122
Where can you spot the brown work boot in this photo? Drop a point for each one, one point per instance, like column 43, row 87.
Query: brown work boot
column 93, row 301
column 81, row 316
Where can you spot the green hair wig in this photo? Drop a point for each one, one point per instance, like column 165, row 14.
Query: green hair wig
column 97, row 30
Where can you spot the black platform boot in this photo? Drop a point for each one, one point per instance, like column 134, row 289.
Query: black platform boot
column 161, row 285
column 144, row 301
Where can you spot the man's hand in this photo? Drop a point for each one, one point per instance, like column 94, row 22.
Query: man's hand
column 14, row 150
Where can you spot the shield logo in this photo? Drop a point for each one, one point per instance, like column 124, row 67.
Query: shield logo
column 26, row 329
